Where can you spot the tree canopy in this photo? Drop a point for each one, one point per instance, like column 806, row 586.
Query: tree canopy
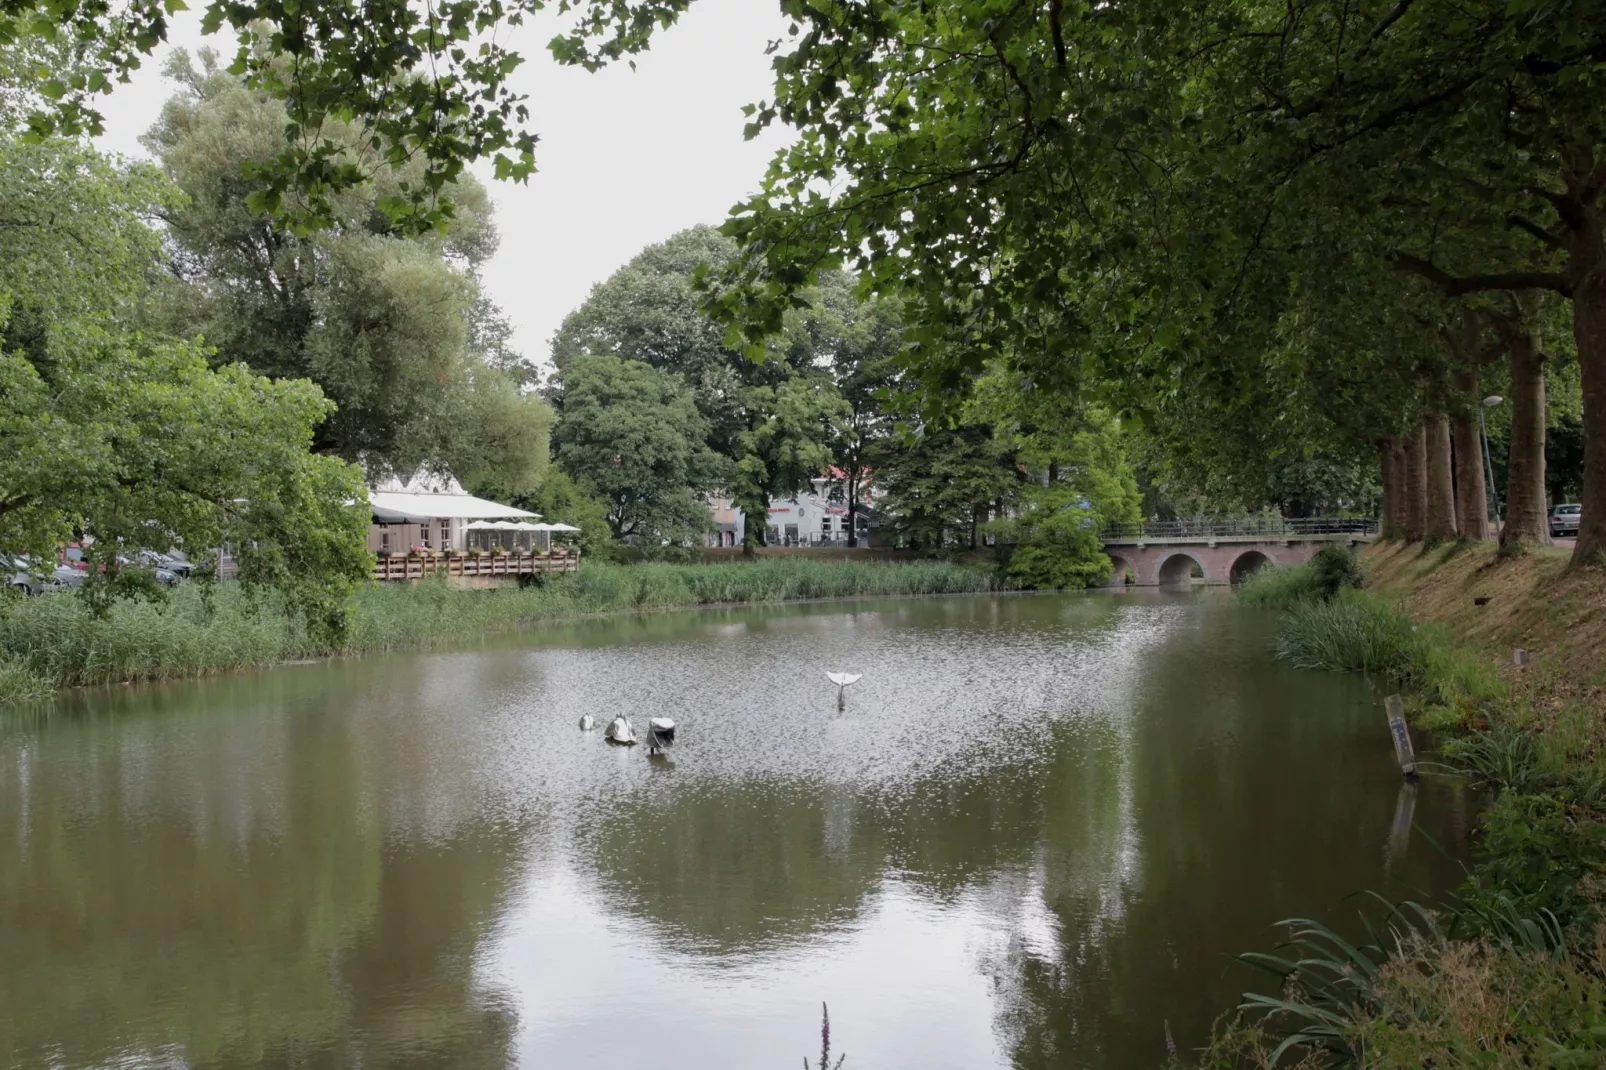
column 133, row 438
column 385, row 85
column 631, row 434
column 393, row 328
column 828, row 404
column 1198, row 213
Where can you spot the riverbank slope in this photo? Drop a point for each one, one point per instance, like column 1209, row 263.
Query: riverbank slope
column 1511, row 971
column 1534, row 603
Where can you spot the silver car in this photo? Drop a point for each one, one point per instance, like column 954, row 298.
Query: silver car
column 169, row 569
column 18, row 576
column 1564, row 520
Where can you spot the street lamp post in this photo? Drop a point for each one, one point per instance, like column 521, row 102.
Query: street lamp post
column 1488, row 462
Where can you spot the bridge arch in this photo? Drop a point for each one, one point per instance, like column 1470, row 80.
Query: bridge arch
column 1124, row 571
column 1179, row 570
column 1247, row 564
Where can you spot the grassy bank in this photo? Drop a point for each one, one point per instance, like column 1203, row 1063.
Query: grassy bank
column 56, row 641
column 1511, row 971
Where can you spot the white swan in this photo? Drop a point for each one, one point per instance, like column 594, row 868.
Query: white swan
column 587, row 722
column 619, row 730
column 660, row 734
column 842, row 680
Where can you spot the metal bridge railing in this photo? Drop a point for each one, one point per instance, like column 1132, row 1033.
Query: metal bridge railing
column 1242, row 527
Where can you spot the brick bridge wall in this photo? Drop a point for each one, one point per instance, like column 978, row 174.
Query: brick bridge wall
column 1153, row 562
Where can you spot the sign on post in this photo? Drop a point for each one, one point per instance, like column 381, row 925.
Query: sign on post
column 1394, row 706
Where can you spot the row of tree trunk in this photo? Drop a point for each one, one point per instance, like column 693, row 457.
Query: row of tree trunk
column 1433, row 477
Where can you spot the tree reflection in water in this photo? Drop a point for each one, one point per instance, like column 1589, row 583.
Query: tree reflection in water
column 1036, row 835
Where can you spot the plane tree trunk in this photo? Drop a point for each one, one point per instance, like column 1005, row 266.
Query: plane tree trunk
column 1471, row 490
column 1414, row 487
column 1579, row 234
column 1439, row 516
column 1389, row 461
column 1525, row 465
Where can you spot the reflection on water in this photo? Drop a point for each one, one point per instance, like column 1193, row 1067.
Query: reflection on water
column 1038, row 831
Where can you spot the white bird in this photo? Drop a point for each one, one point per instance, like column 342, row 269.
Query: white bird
column 660, row 734
column 587, row 722
column 842, row 680
column 620, row 731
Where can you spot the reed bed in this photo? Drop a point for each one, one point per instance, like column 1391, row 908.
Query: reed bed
column 1352, row 633
column 1320, row 579
column 1361, row 632
column 57, row 641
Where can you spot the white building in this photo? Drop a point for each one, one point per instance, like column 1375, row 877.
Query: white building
column 429, row 513
column 808, row 519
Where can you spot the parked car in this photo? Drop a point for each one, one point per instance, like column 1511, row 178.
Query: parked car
column 162, row 562
column 20, row 576
column 144, row 561
column 1564, row 519
column 14, row 572
column 65, row 576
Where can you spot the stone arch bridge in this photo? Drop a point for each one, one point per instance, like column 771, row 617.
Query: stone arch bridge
column 1182, row 552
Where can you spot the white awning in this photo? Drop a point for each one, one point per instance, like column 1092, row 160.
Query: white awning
column 557, row 527
column 393, row 507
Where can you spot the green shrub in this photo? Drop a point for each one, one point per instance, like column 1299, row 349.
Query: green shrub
column 1535, row 852
column 1056, row 541
column 1335, row 569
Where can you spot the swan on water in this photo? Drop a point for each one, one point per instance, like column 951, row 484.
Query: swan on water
column 619, row 730
column 842, row 680
column 660, row 734
column 587, row 722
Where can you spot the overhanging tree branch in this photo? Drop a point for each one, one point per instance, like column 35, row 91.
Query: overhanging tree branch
column 1523, row 223
column 1394, row 15
column 1461, row 285
column 1054, row 28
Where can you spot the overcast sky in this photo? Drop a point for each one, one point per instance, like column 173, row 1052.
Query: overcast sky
column 626, row 158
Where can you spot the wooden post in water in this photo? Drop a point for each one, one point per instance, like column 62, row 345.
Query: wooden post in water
column 1394, row 706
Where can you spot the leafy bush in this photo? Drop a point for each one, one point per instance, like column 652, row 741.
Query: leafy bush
column 1335, row 569
column 1057, row 542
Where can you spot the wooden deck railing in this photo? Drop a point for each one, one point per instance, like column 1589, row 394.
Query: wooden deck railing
column 416, row 567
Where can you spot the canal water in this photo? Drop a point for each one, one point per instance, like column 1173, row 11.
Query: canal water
column 1035, row 838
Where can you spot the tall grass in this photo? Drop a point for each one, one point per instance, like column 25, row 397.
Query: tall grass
column 1320, row 579
column 1276, row 587
column 19, row 684
column 57, row 641
column 1361, row 632
column 1351, row 633
column 1485, row 984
